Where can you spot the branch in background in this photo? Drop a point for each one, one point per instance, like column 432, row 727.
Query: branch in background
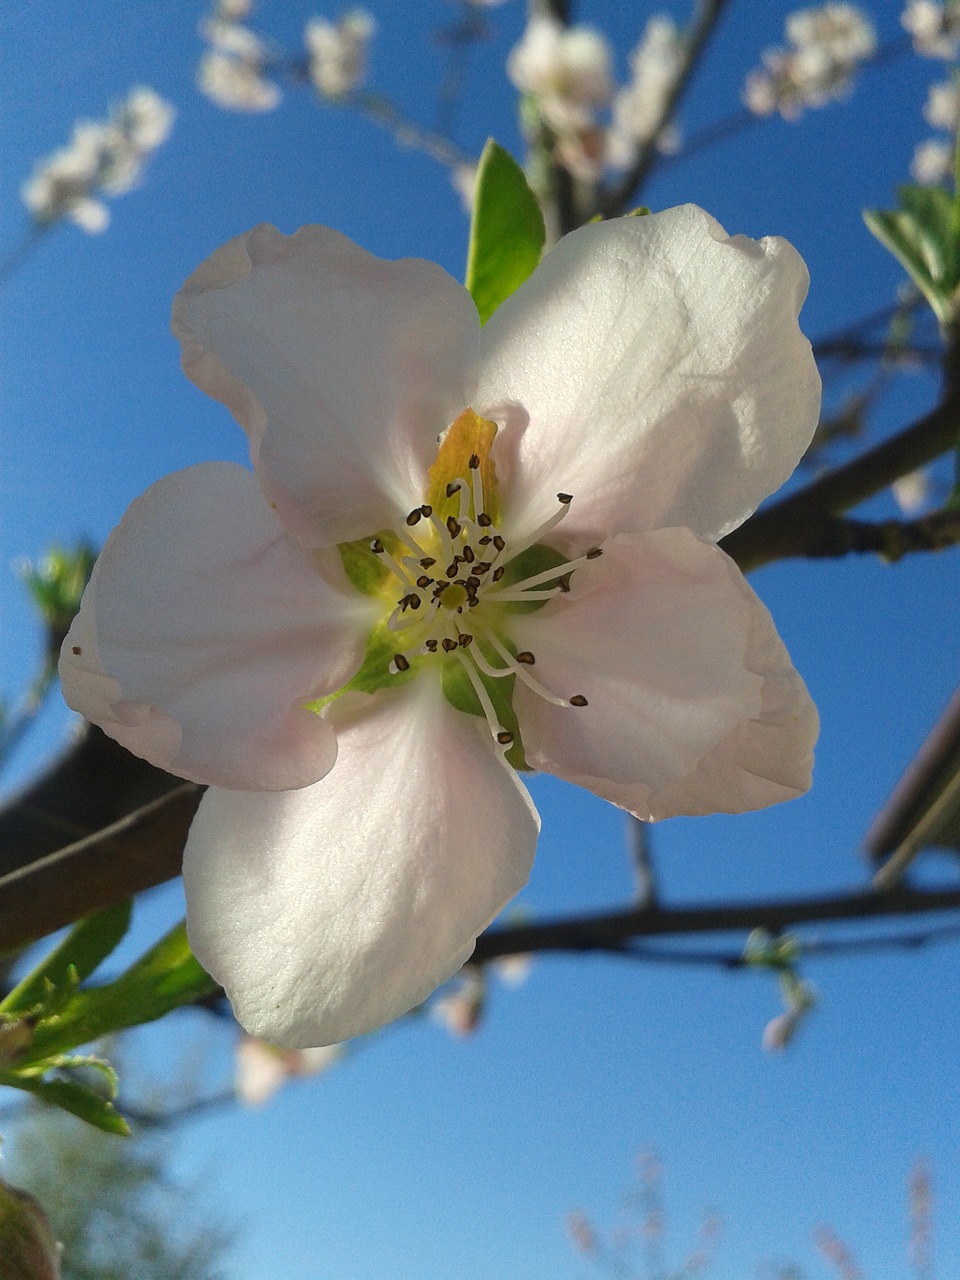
column 615, row 931
column 795, row 525
column 891, row 539
column 618, row 199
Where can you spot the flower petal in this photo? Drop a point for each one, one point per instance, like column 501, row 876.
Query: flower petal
column 204, row 630
column 343, row 370
column 693, row 706
column 653, row 368
column 329, row 911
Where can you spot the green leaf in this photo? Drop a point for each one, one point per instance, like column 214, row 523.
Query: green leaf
column 79, row 1099
column 923, row 236
column 366, row 571
column 506, row 231
column 165, row 978
column 87, row 944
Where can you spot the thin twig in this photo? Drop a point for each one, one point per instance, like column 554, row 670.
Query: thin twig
column 619, row 198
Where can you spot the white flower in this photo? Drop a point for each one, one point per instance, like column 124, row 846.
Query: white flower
column 101, row 157
column 942, row 110
column 935, row 27
column 932, row 161
column 827, row 45
column 912, row 491
column 568, row 69
column 338, row 52
column 544, row 587
column 655, row 64
column 262, row 1069
column 235, row 84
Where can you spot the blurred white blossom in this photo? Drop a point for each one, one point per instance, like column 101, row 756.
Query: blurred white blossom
column 464, row 179
column 935, row 27
column 942, row 110
column 232, row 71
column 825, row 46
column 912, row 492
column 932, row 161
column 262, row 1068
column 102, row 158
column 513, row 971
column 338, row 52
column 638, row 108
column 460, row 1009
column 567, row 69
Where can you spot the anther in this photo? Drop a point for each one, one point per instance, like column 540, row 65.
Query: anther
column 448, row 645
column 593, row 553
column 485, row 540
column 426, row 511
column 430, row 646
column 565, row 498
column 563, row 583
column 451, row 569
column 423, row 581
column 453, row 525
column 415, row 516
column 467, row 556
column 427, row 562
column 499, row 572
column 482, row 566
column 376, row 546
column 505, row 737
column 400, row 663
column 484, row 521
column 464, row 639
column 499, row 543
column 474, row 461
column 411, row 601
column 526, row 657
column 578, row 700
column 452, row 488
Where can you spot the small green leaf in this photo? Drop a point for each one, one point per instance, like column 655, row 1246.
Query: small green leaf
column 87, row 944
column 374, row 672
column 77, row 1098
column 165, row 978
column 506, row 232
column 922, row 236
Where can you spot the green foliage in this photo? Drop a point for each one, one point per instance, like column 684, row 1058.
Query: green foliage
column 56, row 584
column 113, row 1206
column 506, row 232
column 49, row 1014
column 924, row 236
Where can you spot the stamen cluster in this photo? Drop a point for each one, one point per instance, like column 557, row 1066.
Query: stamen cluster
column 455, row 582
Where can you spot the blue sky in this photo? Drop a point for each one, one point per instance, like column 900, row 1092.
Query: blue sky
column 422, row 1157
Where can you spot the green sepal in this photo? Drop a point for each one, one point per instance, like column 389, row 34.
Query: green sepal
column 460, row 693
column 374, row 672
column 363, row 567
column 87, row 944
column 923, row 235
column 507, row 232
column 536, row 559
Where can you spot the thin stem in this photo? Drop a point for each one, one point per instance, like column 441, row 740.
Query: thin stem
column 20, row 252
column 619, row 198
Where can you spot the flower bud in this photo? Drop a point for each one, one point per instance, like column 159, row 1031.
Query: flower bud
column 28, row 1250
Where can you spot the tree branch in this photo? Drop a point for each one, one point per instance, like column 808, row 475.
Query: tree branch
column 613, row 932
column 795, row 525
column 618, row 199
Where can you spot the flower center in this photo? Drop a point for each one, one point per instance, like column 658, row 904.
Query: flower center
column 458, row 579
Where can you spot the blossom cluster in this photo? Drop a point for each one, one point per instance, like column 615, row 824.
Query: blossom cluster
column 233, row 71
column 935, row 27
column 567, row 73
column 102, row 158
column 933, row 159
column 825, row 47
